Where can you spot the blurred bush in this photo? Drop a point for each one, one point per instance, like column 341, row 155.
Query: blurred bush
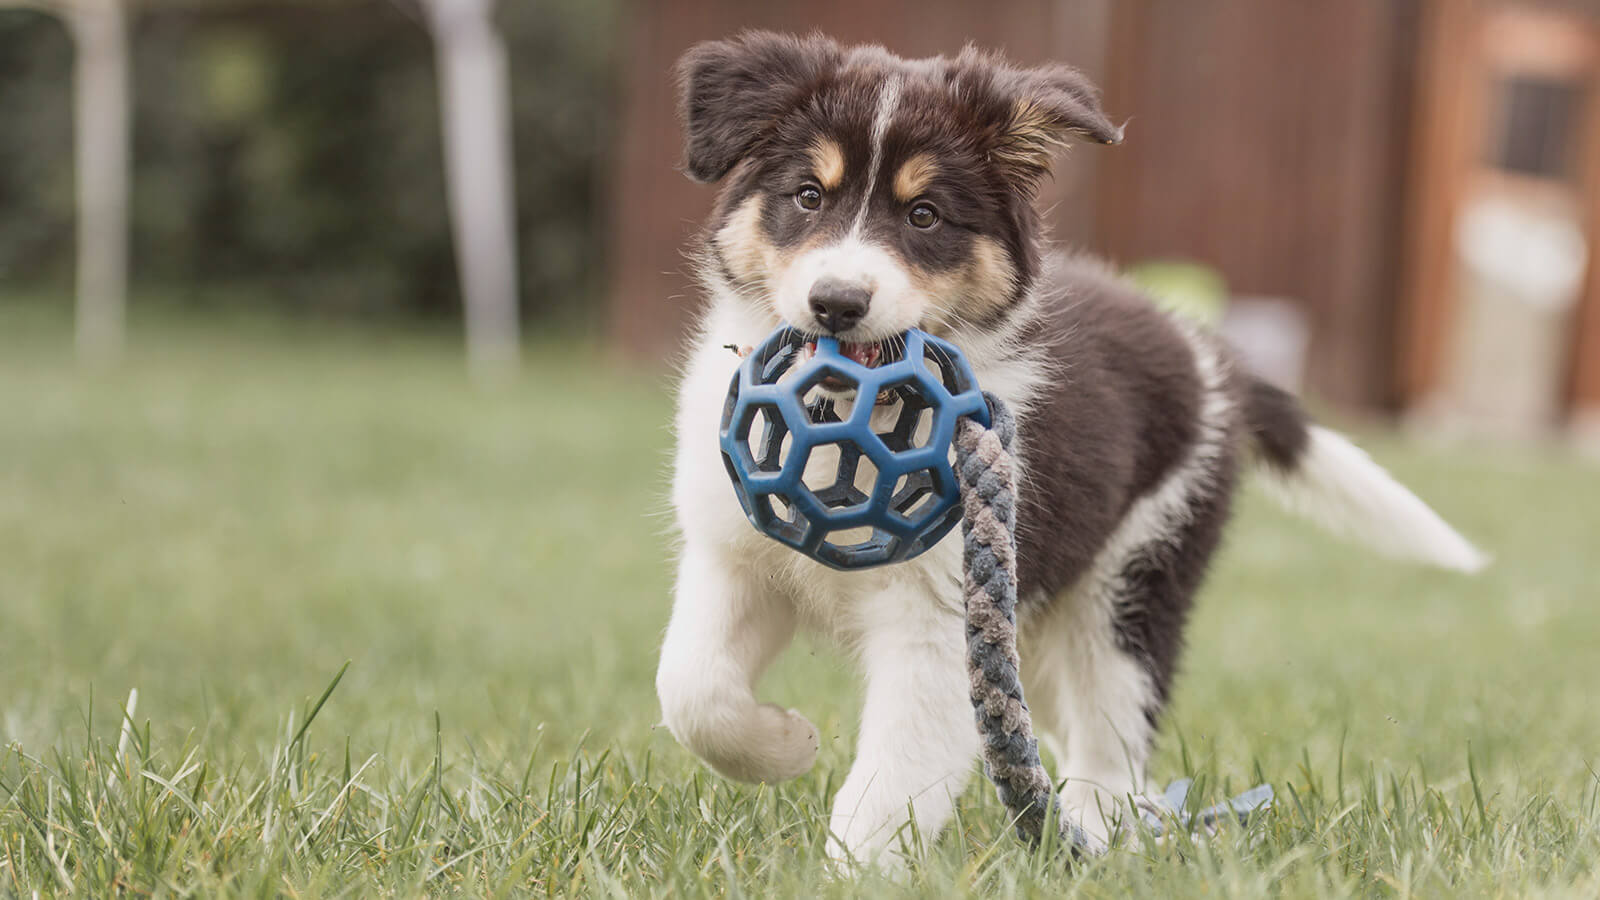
column 289, row 152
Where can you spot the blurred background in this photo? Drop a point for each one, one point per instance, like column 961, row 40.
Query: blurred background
column 259, row 260
column 1390, row 203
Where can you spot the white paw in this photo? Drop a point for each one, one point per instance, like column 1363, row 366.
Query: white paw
column 794, row 743
column 749, row 742
column 851, row 855
column 1097, row 812
column 864, row 829
column 769, row 744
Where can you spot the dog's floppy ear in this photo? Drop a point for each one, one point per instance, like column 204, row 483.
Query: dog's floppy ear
column 1042, row 109
column 734, row 91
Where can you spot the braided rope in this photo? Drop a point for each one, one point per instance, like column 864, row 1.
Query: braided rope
column 987, row 472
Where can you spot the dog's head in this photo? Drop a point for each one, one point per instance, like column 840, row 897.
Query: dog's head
column 866, row 193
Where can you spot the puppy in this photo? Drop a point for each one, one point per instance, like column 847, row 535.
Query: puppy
column 862, row 195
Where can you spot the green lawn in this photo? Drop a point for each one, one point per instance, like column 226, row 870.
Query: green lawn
column 224, row 520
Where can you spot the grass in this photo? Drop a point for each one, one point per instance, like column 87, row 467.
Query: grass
column 227, row 518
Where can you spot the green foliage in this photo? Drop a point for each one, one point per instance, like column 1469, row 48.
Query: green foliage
column 36, row 190
column 294, row 149
column 1189, row 289
column 239, row 511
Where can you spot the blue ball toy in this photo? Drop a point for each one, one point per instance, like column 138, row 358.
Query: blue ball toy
column 850, row 484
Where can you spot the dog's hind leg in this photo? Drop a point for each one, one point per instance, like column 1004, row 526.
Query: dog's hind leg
column 1094, row 703
column 724, row 632
column 1098, row 663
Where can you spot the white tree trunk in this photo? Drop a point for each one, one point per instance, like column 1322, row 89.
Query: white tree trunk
column 102, row 140
column 475, row 101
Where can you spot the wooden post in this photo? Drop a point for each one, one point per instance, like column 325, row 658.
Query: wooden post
column 1584, row 387
column 100, row 84
column 475, row 104
column 1445, row 108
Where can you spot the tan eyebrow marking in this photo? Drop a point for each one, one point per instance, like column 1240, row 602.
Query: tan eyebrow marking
column 827, row 162
column 914, row 177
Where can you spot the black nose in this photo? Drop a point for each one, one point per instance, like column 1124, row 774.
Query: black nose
column 839, row 304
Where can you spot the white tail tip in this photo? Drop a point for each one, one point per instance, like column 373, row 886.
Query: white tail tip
column 1337, row 485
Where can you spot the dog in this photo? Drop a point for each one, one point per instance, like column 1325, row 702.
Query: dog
column 863, row 194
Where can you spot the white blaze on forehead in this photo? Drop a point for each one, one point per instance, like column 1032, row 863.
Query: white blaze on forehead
column 888, row 97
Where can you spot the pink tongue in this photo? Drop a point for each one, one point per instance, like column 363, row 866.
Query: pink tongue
column 865, row 354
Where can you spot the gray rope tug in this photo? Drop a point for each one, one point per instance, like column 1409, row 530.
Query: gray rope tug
column 987, row 472
column 915, row 500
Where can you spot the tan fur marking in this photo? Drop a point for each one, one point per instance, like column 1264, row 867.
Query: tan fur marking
column 827, row 163
column 972, row 292
column 749, row 256
column 914, row 177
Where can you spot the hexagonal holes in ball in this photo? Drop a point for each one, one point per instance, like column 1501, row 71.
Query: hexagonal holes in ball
column 941, row 367
column 840, row 475
column 828, row 396
column 904, row 419
column 913, row 498
column 859, row 538
column 779, row 518
column 769, row 438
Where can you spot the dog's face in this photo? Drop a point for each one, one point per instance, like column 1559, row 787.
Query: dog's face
column 867, row 194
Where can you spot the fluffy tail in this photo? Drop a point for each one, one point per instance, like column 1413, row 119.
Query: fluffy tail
column 1317, row 473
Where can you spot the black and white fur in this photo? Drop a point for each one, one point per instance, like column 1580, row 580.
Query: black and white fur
column 1133, row 428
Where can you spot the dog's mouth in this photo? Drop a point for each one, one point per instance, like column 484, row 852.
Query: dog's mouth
column 869, row 354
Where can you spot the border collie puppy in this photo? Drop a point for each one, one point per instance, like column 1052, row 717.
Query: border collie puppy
column 864, row 194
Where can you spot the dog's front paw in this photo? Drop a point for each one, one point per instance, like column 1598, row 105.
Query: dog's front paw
column 766, row 743
column 794, row 742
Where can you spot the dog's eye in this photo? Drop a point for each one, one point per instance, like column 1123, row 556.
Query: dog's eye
column 923, row 216
column 808, row 197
